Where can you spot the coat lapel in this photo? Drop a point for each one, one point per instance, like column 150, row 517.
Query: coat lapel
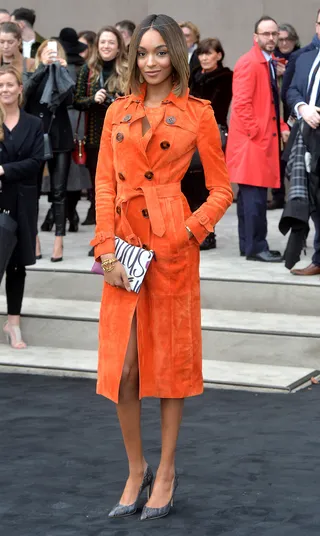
column 22, row 131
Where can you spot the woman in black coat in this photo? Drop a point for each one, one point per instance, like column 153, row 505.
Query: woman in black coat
column 21, row 154
column 211, row 81
column 55, row 121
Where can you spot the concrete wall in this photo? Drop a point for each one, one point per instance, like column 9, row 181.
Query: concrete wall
column 230, row 20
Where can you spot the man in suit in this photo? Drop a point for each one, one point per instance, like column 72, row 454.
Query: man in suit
column 31, row 41
column 291, row 65
column 253, row 146
column 303, row 97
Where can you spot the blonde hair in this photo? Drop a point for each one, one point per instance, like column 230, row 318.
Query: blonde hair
column 60, row 50
column 188, row 24
column 9, row 69
column 117, row 81
column 174, row 39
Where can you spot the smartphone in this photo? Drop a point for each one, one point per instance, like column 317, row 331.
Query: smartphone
column 53, row 45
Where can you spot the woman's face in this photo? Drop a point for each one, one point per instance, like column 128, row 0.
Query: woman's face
column 285, row 44
column 153, row 58
column 10, row 89
column 209, row 60
column 108, row 46
column 85, row 53
column 9, row 45
column 189, row 36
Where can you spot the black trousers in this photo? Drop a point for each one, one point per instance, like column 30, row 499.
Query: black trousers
column 279, row 194
column 92, row 161
column 15, row 279
column 59, row 167
column 252, row 219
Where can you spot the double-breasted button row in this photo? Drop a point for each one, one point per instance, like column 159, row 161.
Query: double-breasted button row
column 148, row 175
column 145, row 213
column 119, row 137
column 121, row 176
column 118, row 210
column 127, row 118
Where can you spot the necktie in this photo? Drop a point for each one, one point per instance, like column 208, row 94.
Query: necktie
column 274, row 88
column 312, row 81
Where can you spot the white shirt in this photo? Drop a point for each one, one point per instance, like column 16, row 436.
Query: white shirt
column 315, row 88
column 26, row 52
column 269, row 58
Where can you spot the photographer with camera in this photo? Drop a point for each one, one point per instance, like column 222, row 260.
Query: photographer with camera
column 99, row 84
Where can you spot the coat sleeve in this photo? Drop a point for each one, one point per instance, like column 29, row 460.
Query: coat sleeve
column 243, row 89
column 295, row 93
column 105, row 192
column 34, row 80
column 288, row 76
column 203, row 220
column 82, row 101
column 29, row 167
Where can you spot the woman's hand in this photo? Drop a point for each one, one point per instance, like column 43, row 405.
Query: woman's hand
column 1, row 171
column 62, row 62
column 100, row 96
column 118, row 276
column 48, row 56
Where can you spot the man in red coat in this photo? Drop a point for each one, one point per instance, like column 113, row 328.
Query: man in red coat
column 253, row 147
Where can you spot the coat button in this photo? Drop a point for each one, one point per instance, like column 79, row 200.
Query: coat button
column 171, row 120
column 41, row 115
column 164, row 145
column 148, row 175
column 119, row 137
column 118, row 210
column 145, row 213
column 127, row 118
column 274, row 118
column 121, row 177
column 274, row 134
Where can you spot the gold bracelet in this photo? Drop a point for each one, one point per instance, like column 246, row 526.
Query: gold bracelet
column 108, row 264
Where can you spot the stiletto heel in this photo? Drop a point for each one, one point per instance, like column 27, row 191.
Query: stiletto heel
column 14, row 337
column 123, row 510
column 156, row 513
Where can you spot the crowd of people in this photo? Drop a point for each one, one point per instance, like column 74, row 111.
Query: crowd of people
column 134, row 116
column 87, row 71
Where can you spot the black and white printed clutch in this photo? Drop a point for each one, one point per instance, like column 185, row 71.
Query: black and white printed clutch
column 135, row 260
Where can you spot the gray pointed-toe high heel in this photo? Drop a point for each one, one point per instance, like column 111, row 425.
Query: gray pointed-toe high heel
column 156, row 513
column 123, row 510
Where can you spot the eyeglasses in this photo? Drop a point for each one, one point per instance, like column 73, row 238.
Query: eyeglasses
column 284, row 39
column 269, row 34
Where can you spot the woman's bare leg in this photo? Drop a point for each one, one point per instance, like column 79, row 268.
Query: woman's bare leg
column 171, row 415
column 129, row 413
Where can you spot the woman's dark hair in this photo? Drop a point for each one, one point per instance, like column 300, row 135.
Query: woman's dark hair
column 11, row 27
column 89, row 36
column 292, row 33
column 208, row 45
column 174, row 39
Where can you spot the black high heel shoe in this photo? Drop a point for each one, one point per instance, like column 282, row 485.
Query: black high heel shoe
column 123, row 510
column 156, row 513
column 48, row 221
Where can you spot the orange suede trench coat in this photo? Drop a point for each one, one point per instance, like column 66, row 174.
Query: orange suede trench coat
column 138, row 198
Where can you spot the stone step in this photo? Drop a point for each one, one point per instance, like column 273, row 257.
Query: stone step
column 81, row 363
column 293, row 295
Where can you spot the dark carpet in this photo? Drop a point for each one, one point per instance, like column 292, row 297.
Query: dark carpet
column 248, row 463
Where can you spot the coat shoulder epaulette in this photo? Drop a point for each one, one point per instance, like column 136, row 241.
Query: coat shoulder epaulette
column 202, row 102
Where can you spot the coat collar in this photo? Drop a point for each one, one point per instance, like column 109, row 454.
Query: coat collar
column 180, row 102
column 258, row 53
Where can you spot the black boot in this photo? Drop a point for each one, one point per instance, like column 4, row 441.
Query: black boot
column 74, row 222
column 48, row 221
column 91, row 217
column 209, row 242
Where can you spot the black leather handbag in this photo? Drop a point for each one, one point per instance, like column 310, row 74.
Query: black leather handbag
column 48, row 153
